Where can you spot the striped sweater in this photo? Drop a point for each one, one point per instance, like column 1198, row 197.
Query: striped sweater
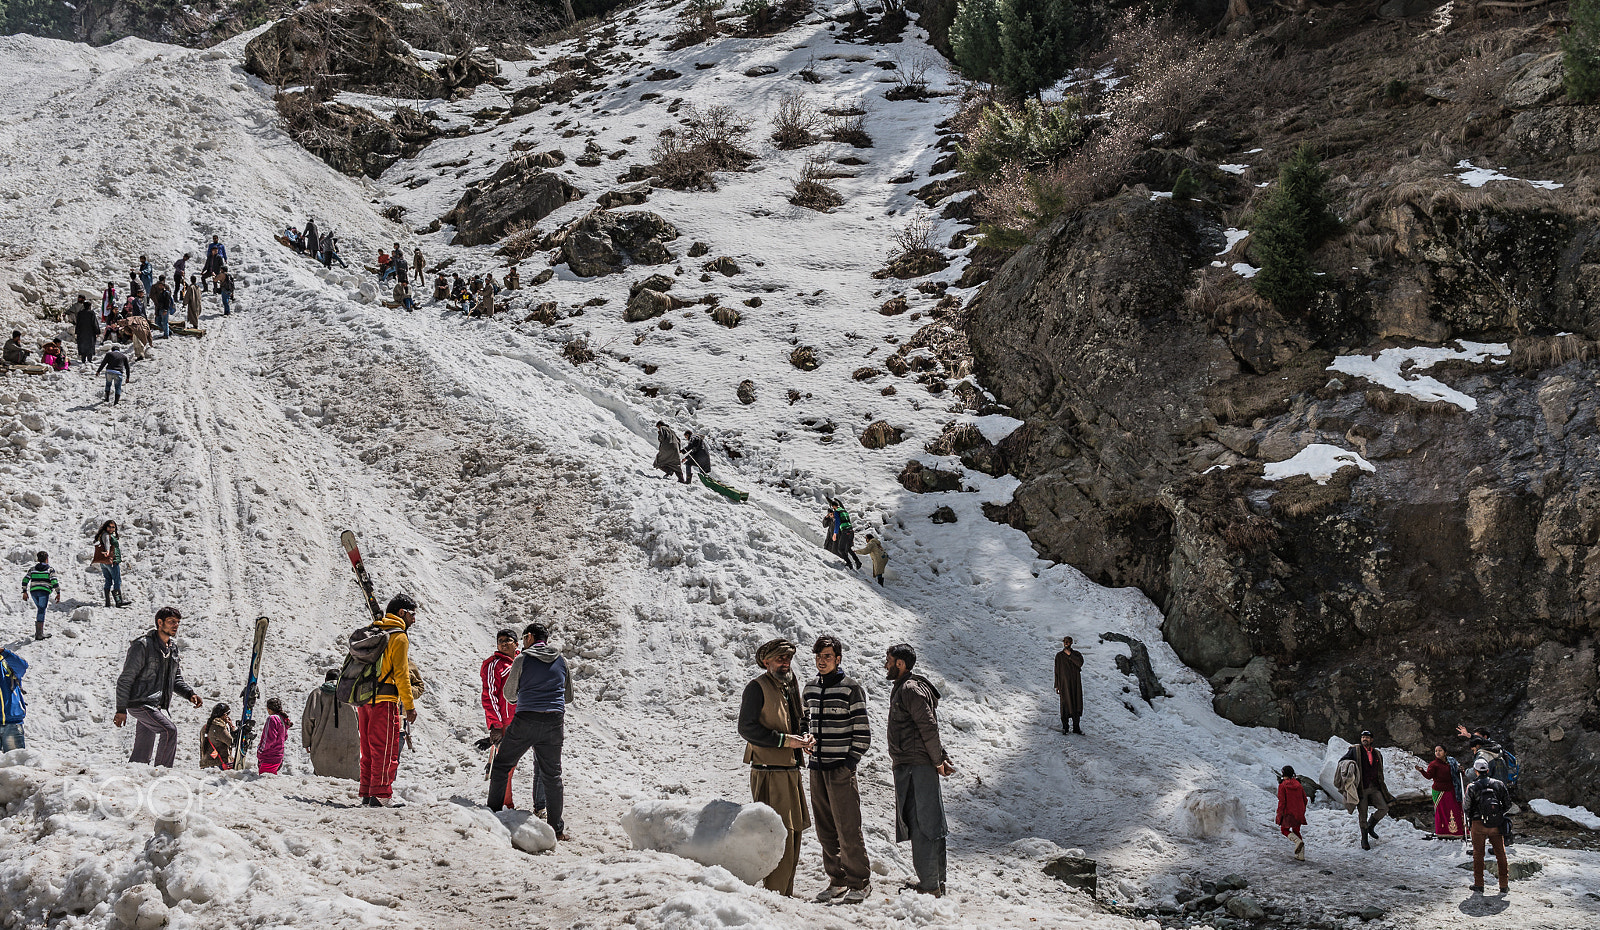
column 838, row 709
column 42, row 580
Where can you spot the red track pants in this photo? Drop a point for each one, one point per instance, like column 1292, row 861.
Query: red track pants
column 380, row 747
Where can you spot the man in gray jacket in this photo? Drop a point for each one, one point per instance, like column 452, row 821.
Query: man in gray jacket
column 328, row 731
column 150, row 675
column 919, row 761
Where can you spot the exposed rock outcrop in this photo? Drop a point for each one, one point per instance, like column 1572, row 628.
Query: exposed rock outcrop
column 1459, row 582
column 601, row 242
column 520, row 193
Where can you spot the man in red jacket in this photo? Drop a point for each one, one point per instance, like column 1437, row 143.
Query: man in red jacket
column 498, row 706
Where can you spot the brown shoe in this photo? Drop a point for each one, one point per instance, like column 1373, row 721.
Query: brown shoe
column 563, row 836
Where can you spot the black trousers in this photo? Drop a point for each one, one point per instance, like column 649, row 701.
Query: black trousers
column 543, row 732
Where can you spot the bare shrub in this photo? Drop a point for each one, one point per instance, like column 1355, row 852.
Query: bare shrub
column 521, row 242
column 1172, row 75
column 915, row 236
column 850, row 130
column 912, row 78
column 697, row 22
column 811, row 190
column 577, row 351
column 709, row 141
column 394, row 213
column 796, row 122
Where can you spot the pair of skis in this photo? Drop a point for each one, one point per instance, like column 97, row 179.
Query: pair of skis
column 347, row 539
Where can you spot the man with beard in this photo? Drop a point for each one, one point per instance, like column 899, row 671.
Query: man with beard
column 919, row 761
column 1373, row 791
column 772, row 721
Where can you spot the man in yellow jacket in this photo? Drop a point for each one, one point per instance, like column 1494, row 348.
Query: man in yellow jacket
column 379, row 721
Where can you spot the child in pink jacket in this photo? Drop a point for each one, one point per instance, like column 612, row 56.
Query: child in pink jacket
column 269, row 755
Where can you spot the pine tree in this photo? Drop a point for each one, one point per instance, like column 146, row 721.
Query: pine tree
column 1036, row 38
column 975, row 39
column 1293, row 222
column 1580, row 60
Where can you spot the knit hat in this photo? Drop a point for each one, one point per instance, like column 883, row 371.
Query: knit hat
column 774, row 648
column 1482, row 765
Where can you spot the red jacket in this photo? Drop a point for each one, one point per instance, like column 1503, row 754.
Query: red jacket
column 1291, row 803
column 498, row 709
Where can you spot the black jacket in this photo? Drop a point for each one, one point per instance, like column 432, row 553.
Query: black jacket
column 86, row 324
column 1371, row 775
column 696, row 453
column 116, row 360
column 150, row 674
column 1475, row 791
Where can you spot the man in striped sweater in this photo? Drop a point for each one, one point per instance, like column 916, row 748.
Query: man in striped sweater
column 837, row 706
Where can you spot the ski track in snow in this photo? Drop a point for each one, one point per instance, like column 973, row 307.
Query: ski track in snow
column 498, row 483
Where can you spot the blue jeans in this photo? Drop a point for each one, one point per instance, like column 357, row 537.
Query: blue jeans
column 164, row 322
column 40, row 599
column 113, row 576
column 227, row 303
column 114, row 382
column 11, row 737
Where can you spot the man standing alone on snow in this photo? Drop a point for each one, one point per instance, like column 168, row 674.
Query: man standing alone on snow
column 772, row 720
column 919, row 762
column 85, row 328
column 379, row 721
column 150, row 676
column 544, row 689
column 1373, row 791
column 1069, row 684
column 837, row 706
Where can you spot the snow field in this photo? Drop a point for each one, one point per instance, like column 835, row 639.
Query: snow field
column 499, row 483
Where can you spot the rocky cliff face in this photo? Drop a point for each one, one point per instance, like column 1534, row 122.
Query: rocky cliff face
column 1458, row 582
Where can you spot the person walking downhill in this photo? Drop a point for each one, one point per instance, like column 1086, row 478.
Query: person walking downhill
column 669, row 457
column 37, row 586
column 1069, row 684
column 919, row 761
column 151, row 674
column 544, row 689
column 845, row 536
column 217, row 738
column 1292, row 809
column 269, row 753
column 837, row 707
column 1488, row 800
column 85, row 328
column 328, row 732
column 13, row 709
column 1372, row 791
column 880, row 558
column 118, row 369
column 379, row 721
column 108, row 555
column 772, row 720
column 1448, row 822
column 499, row 709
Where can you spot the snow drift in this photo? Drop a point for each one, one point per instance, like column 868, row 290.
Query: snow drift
column 745, row 839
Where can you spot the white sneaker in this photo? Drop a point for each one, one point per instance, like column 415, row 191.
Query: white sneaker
column 391, row 802
column 831, row 892
column 854, row 896
column 1300, row 849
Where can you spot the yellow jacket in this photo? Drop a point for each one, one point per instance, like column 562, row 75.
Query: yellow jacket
column 395, row 666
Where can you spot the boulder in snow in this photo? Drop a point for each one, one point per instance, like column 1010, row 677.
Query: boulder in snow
column 1208, row 812
column 601, row 242
column 528, row 833
column 141, row 908
column 520, row 193
column 746, row 839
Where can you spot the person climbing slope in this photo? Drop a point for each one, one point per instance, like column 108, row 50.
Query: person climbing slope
column 1292, row 809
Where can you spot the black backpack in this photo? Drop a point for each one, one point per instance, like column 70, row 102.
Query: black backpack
column 358, row 678
column 1490, row 807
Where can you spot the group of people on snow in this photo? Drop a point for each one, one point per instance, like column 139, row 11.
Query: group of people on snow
column 320, row 246
column 823, row 730
column 130, row 321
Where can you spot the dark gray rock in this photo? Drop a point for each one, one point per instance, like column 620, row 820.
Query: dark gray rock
column 646, row 304
column 1072, row 871
column 602, row 242
column 1539, row 84
column 519, row 193
column 922, row 479
column 943, row 515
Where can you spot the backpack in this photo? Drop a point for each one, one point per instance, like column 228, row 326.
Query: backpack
column 358, row 678
column 1490, row 808
column 1510, row 771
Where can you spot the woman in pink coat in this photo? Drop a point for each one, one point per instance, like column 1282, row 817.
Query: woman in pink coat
column 269, row 755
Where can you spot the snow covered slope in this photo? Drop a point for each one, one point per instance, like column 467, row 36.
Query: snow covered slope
column 499, row 482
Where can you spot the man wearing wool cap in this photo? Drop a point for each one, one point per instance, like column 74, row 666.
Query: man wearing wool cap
column 772, row 720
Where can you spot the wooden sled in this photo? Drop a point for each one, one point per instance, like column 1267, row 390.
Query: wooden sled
column 186, row 331
column 732, row 494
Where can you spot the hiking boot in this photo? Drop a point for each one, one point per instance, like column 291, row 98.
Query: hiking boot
column 854, row 896
column 563, row 836
column 369, row 802
column 1299, row 849
column 121, row 601
column 108, row 598
column 1504, row 889
column 831, row 892
column 1364, row 843
column 1478, row 889
column 539, row 812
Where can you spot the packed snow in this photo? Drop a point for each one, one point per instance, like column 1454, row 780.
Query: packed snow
column 745, row 839
column 1392, row 368
column 498, row 482
column 1578, row 815
column 1318, row 461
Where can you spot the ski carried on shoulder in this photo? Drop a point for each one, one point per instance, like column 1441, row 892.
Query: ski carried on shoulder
column 252, row 689
column 348, row 540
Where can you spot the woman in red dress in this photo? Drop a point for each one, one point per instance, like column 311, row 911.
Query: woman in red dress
column 1447, row 819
